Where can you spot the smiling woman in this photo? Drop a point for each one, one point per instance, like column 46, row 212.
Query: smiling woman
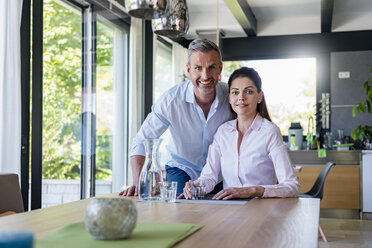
column 290, row 86
column 259, row 165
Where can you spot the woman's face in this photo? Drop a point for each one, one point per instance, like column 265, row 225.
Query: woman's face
column 244, row 97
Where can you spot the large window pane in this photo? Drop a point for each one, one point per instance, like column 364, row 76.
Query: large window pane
column 162, row 69
column 110, row 106
column 289, row 86
column 61, row 103
column 162, row 82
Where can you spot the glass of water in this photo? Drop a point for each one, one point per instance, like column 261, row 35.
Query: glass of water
column 168, row 191
column 197, row 190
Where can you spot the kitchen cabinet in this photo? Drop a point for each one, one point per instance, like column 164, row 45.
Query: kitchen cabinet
column 341, row 189
column 342, row 186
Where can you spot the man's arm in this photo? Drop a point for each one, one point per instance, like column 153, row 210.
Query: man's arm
column 153, row 127
column 136, row 162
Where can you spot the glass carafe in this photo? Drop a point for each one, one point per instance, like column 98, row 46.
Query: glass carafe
column 151, row 174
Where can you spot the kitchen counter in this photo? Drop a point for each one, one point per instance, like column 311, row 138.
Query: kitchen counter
column 342, row 186
column 310, row 157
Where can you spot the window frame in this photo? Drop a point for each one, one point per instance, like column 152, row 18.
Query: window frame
column 108, row 11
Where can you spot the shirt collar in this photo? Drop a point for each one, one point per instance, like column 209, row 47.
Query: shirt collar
column 256, row 124
column 190, row 96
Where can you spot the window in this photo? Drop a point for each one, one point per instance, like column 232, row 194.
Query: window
column 162, row 68
column 161, row 83
column 289, row 86
column 62, row 59
column 110, row 107
column 84, row 101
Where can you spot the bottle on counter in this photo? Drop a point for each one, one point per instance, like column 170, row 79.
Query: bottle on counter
column 295, row 130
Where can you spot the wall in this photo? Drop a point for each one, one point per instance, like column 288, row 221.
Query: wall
column 56, row 192
column 347, row 92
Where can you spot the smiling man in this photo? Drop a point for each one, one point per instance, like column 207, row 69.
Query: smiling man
column 192, row 111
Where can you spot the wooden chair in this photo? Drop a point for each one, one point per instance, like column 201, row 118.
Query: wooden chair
column 10, row 195
column 317, row 190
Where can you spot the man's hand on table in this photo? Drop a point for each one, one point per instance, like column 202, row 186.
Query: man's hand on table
column 129, row 191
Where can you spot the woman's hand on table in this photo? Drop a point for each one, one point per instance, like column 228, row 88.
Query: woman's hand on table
column 245, row 192
column 186, row 191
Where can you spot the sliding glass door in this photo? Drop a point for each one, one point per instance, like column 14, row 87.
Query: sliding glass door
column 62, row 60
column 110, row 114
column 84, row 102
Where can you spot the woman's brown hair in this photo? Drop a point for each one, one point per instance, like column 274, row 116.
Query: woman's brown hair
column 256, row 79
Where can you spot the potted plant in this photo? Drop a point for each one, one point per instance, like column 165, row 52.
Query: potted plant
column 364, row 133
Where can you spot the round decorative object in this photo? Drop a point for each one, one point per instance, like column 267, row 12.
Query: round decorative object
column 110, row 218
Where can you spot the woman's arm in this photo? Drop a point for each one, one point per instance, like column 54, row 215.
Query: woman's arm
column 288, row 185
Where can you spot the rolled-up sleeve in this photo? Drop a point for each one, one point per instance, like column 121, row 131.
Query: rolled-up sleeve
column 155, row 124
column 288, row 185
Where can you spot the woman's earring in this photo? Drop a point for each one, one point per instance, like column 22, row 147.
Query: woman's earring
column 219, row 77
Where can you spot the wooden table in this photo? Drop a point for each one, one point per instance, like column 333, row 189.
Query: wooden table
column 270, row 223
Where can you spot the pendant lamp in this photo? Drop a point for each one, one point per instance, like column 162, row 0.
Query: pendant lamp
column 146, row 9
column 175, row 23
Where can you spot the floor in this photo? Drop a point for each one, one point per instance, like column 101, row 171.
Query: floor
column 345, row 233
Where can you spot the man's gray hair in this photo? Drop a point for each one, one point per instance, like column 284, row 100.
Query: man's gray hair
column 203, row 45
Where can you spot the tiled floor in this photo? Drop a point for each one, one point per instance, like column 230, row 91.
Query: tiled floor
column 345, row 233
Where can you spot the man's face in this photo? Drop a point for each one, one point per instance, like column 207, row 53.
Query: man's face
column 204, row 70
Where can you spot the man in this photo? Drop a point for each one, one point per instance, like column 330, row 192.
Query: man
column 192, row 110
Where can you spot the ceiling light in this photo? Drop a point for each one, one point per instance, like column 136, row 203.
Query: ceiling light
column 146, row 9
column 175, row 23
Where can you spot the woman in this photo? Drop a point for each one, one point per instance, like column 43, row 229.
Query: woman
column 249, row 150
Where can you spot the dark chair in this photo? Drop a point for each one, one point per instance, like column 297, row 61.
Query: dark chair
column 10, row 194
column 317, row 190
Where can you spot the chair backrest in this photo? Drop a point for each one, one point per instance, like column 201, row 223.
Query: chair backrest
column 317, row 190
column 10, row 194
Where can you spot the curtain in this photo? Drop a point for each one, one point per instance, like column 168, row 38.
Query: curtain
column 119, row 150
column 179, row 61
column 136, row 94
column 10, row 86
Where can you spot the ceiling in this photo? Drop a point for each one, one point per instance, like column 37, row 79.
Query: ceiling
column 277, row 17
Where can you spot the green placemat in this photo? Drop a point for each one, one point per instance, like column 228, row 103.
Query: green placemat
column 144, row 235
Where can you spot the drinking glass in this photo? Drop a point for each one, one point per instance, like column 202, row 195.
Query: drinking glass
column 197, row 190
column 168, row 191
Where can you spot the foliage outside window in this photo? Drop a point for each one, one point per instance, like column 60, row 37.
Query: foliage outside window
column 62, row 60
column 61, row 92
column 105, row 96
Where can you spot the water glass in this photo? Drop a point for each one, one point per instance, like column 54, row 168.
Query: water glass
column 197, row 190
column 168, row 191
